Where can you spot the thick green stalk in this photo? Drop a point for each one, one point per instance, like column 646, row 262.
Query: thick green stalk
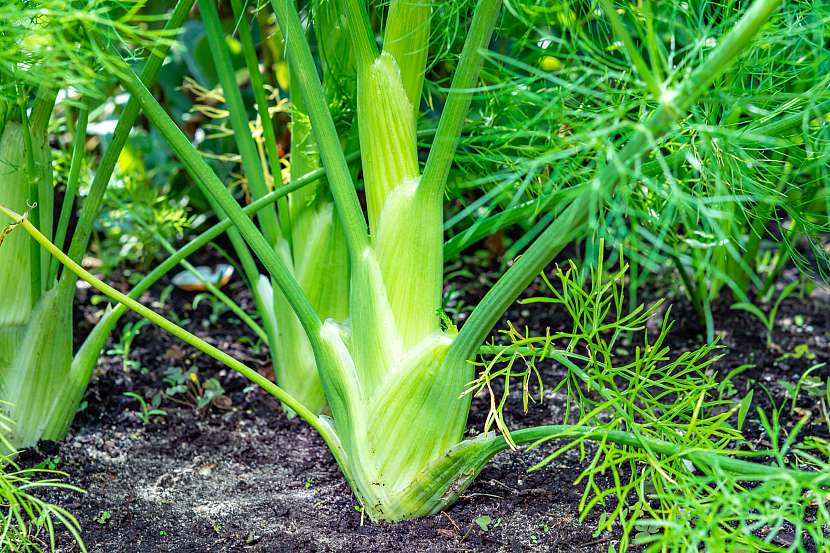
column 328, row 141
column 95, row 197
column 251, row 163
column 406, row 37
column 360, row 31
column 36, row 378
column 448, row 134
column 391, row 312
column 16, row 252
column 319, row 257
column 408, row 242
column 387, row 133
column 42, row 108
column 32, row 195
column 406, row 212
column 364, row 282
column 78, row 151
column 261, row 98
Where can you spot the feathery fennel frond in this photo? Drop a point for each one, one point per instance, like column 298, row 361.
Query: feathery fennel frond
column 71, row 43
column 746, row 168
column 665, row 502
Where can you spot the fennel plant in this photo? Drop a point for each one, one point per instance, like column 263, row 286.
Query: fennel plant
column 392, row 375
column 47, row 47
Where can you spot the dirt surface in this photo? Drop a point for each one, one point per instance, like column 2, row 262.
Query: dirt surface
column 245, row 478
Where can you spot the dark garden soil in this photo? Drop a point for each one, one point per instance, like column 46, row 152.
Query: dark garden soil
column 242, row 477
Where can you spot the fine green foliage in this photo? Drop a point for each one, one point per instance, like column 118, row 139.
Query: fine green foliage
column 596, row 100
column 66, row 43
column 660, row 501
column 29, row 523
column 140, row 203
column 735, row 186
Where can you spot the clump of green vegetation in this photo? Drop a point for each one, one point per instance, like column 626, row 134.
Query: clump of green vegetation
column 55, row 55
column 140, row 204
column 28, row 522
column 595, row 122
column 675, row 411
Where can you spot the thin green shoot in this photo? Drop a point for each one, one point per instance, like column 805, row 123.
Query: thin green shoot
column 146, row 410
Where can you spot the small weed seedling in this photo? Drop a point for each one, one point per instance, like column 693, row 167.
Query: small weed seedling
column 185, row 388
column 768, row 319
column 147, row 411
column 123, row 346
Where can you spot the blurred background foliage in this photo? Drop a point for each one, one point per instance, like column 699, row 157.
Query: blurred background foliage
column 735, row 195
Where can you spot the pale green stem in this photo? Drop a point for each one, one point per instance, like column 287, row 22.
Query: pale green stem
column 406, row 37
column 34, row 271
column 258, row 87
column 328, row 142
column 701, row 457
column 448, row 134
column 78, row 152
column 251, row 163
column 360, row 32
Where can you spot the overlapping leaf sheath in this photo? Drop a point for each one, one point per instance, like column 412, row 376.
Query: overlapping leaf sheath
column 318, row 255
column 394, row 347
column 15, row 253
column 35, row 325
column 320, row 264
